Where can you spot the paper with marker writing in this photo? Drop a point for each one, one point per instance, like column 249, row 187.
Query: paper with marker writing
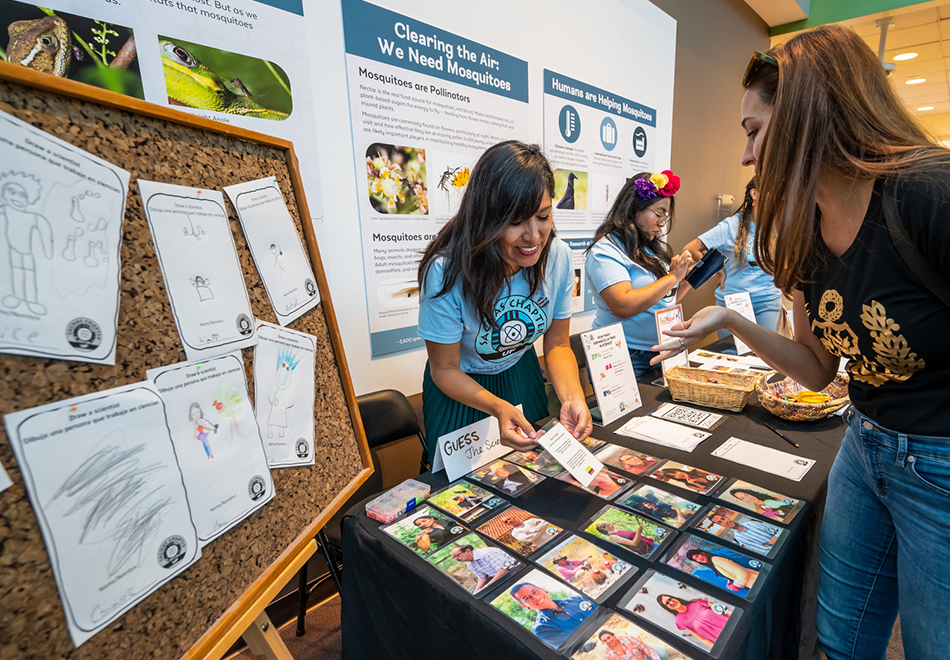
column 470, row 447
column 741, row 302
column 567, row 451
column 276, row 247
column 666, row 319
column 662, row 432
column 611, row 372
column 766, row 459
column 102, row 475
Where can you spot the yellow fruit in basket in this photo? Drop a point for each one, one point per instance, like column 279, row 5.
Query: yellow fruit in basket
column 807, row 396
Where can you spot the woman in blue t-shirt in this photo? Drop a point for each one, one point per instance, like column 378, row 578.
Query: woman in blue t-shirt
column 735, row 238
column 493, row 281
column 631, row 268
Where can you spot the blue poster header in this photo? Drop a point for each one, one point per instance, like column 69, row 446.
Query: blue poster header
column 385, row 36
column 559, row 85
column 293, row 6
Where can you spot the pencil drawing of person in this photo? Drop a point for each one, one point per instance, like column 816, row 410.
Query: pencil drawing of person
column 17, row 193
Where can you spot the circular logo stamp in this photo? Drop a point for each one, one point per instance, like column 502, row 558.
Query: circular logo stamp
column 172, row 550
column 719, row 608
column 256, row 487
column 457, row 529
column 310, row 287
column 508, row 563
column 755, row 563
column 495, row 501
column 585, row 606
column 619, row 567
column 84, row 333
column 302, row 448
column 551, row 531
column 244, row 325
column 660, row 531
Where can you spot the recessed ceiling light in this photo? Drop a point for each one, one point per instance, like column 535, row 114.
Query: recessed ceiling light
column 925, row 107
column 904, row 56
column 916, row 81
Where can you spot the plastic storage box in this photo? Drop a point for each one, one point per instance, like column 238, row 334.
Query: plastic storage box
column 396, row 501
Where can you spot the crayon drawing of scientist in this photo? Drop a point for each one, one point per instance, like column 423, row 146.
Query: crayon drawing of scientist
column 287, row 361
column 202, row 426
column 17, row 193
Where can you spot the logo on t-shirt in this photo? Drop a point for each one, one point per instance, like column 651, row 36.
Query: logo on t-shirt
column 520, row 321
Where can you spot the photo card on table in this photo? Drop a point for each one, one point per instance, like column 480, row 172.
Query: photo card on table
column 606, row 483
column 545, row 607
column 747, row 532
column 591, row 570
column 614, row 637
column 694, row 616
column 629, row 531
column 628, row 460
column 465, row 500
column 424, row 530
column 666, row 507
column 506, row 477
column 540, row 461
column 774, row 506
column 687, row 477
column 520, row 530
column 473, row 563
column 718, row 565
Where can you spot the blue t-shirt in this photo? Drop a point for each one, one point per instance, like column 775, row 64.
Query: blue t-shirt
column 521, row 320
column 740, row 276
column 608, row 264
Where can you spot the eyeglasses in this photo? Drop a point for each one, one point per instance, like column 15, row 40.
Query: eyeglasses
column 755, row 65
column 662, row 219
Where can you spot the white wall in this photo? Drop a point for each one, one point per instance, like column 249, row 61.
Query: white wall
column 624, row 47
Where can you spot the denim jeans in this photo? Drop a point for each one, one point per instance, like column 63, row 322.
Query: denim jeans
column 885, row 540
column 641, row 360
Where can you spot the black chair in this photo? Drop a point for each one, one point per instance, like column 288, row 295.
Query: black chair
column 387, row 416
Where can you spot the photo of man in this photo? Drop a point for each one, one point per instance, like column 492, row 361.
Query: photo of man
column 472, row 562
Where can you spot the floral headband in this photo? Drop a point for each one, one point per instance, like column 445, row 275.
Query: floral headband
column 665, row 183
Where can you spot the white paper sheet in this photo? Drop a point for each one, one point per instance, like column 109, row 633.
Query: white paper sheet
column 685, row 415
column 217, row 441
column 284, row 391
column 566, row 450
column 766, row 459
column 741, row 302
column 469, row 448
column 275, row 245
column 200, row 265
column 108, row 495
column 666, row 319
column 61, row 213
column 661, row 432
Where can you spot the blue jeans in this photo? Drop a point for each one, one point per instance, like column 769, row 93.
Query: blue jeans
column 641, row 360
column 885, row 539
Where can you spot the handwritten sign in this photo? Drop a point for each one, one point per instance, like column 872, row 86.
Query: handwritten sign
column 469, row 448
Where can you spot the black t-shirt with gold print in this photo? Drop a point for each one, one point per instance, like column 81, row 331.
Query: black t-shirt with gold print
column 866, row 305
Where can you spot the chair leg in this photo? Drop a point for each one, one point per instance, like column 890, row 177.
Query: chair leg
column 324, row 544
column 302, row 595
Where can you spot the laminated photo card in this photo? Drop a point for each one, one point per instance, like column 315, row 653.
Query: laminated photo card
column 591, row 570
column 747, row 532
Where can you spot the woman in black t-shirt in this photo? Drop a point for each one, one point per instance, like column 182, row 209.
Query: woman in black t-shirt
column 830, row 140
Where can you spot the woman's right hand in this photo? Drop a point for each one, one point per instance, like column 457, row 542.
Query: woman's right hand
column 680, row 265
column 514, row 427
column 691, row 332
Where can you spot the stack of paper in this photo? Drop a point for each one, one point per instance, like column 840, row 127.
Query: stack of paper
column 664, row 433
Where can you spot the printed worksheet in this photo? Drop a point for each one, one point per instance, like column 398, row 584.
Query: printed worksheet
column 766, row 459
column 201, row 269
column 284, row 364
column 662, row 432
column 108, row 494
column 61, row 212
column 741, row 302
column 217, row 441
column 275, row 245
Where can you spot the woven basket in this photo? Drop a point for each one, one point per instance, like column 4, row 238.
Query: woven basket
column 710, row 388
column 770, row 396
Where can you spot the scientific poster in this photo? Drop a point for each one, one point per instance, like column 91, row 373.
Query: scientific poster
column 425, row 104
column 239, row 62
column 284, row 364
column 200, row 265
column 594, row 139
column 61, row 213
column 108, row 494
column 583, row 296
column 217, row 441
column 276, row 247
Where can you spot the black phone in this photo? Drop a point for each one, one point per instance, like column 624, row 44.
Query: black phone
column 711, row 263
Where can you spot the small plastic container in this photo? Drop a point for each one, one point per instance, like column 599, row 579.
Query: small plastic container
column 396, row 501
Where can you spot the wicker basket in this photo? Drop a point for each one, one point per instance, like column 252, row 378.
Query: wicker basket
column 711, row 388
column 770, row 396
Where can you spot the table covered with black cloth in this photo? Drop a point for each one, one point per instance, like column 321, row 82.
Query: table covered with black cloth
column 396, row 605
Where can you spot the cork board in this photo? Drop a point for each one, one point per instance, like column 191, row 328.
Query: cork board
column 166, row 145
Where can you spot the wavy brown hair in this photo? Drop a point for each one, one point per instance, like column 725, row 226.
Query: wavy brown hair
column 506, row 187
column 746, row 214
column 833, row 111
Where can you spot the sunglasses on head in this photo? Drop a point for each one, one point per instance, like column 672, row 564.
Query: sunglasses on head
column 755, row 65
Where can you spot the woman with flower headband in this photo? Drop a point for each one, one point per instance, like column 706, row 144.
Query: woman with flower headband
column 631, row 268
column 493, row 281
column 841, row 168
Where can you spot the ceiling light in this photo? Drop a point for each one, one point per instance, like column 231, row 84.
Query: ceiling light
column 916, row 81
column 925, row 107
column 904, row 56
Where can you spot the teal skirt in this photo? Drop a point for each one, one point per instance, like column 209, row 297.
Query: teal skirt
column 521, row 383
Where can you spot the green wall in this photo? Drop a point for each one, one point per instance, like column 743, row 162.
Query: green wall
column 823, row 12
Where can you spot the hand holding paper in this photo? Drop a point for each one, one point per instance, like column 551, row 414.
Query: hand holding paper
column 516, row 432
column 703, row 323
column 575, row 417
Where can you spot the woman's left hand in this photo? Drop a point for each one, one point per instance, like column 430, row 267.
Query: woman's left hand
column 575, row 417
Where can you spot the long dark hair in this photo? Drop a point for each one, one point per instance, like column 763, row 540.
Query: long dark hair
column 709, row 560
column 506, row 187
column 746, row 215
column 659, row 599
column 620, row 224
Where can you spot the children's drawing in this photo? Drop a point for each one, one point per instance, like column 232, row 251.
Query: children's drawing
column 287, row 361
column 203, row 287
column 229, row 403
column 18, row 192
column 202, row 426
column 278, row 253
column 192, row 229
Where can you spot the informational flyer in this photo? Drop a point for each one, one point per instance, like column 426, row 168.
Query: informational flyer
column 612, row 374
column 566, row 450
column 102, row 475
column 217, row 441
column 276, row 247
column 61, row 213
column 740, row 302
column 200, row 266
column 595, row 140
column 284, row 365
column 665, row 319
column 425, row 104
column 239, row 62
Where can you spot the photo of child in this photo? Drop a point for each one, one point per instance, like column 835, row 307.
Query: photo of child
column 585, row 567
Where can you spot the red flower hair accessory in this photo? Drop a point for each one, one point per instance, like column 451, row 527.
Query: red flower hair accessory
column 672, row 184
